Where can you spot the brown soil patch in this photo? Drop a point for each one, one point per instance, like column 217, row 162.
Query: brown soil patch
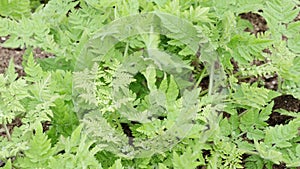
column 17, row 54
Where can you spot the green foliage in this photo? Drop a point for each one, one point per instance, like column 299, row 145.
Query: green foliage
column 7, row 165
column 35, row 99
column 187, row 160
column 226, row 155
column 39, row 151
column 252, row 96
column 15, row 9
column 117, row 165
column 277, row 13
column 252, row 121
column 109, row 94
column 77, row 152
column 12, row 94
column 280, row 135
column 246, row 48
column 254, row 161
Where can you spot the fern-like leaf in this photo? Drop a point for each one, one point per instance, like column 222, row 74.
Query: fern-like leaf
column 252, row 96
column 186, row 160
column 280, row 135
column 39, row 151
column 253, row 121
column 245, row 48
column 15, row 8
column 12, row 93
column 78, row 152
column 279, row 11
column 117, row 165
column 268, row 152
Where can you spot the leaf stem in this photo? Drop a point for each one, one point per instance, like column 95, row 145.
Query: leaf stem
column 126, row 50
column 211, row 80
column 202, row 75
column 6, row 130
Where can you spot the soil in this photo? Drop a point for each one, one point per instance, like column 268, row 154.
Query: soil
column 286, row 102
column 258, row 22
column 17, row 55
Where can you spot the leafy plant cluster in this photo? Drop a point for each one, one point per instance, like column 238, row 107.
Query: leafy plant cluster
column 104, row 112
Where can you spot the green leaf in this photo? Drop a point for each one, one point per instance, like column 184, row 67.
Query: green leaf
column 75, row 137
column 245, row 47
column 33, row 70
column 287, row 113
column 225, row 154
column 173, row 91
column 7, row 165
column 250, row 118
column 280, row 135
column 279, row 11
column 252, row 96
column 187, row 160
column 268, row 152
column 64, row 120
column 162, row 166
column 39, row 151
column 15, row 8
column 117, row 165
column 181, row 30
column 76, row 152
column 254, row 161
column 292, row 29
column 12, row 94
column 10, row 73
column 253, row 120
column 291, row 87
column 293, row 43
column 150, row 75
